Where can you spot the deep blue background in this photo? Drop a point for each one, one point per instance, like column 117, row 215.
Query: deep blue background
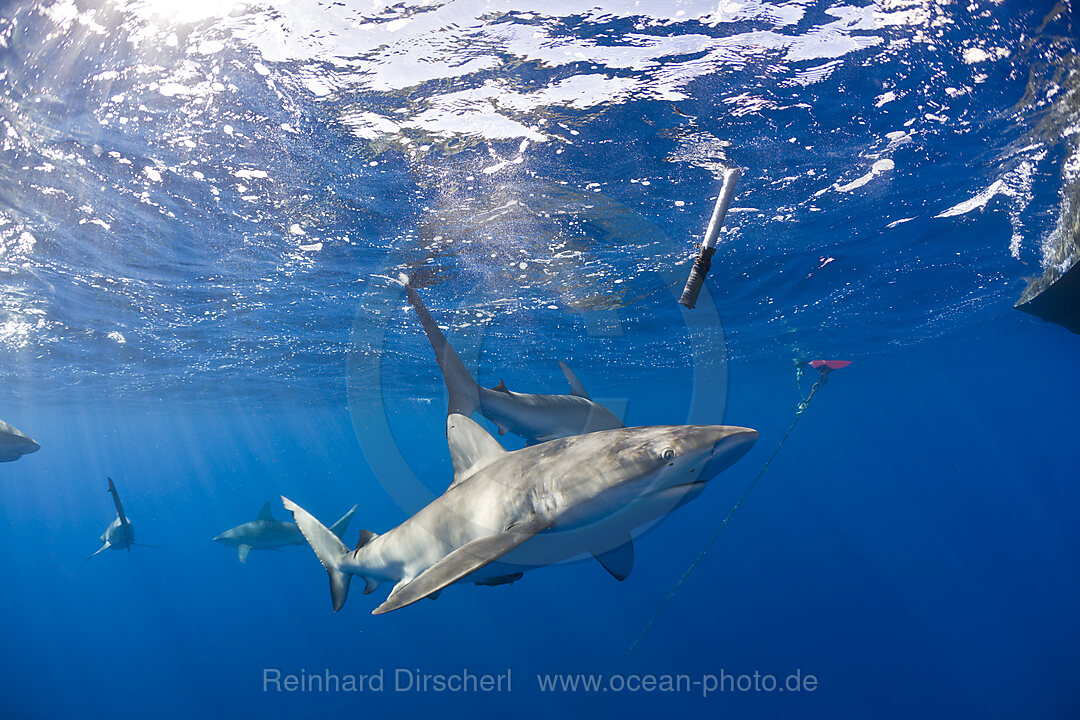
column 913, row 546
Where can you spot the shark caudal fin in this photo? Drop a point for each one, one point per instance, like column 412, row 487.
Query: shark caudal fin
column 327, row 546
column 464, row 394
column 342, row 525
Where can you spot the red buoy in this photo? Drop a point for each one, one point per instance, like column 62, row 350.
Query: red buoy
column 829, row 364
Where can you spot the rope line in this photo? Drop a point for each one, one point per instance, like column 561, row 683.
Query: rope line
column 800, row 409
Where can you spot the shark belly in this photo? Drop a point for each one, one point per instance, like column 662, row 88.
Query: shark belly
column 274, row 538
column 115, row 535
column 605, row 531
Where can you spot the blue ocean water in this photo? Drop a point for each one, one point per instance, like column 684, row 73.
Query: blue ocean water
column 204, row 208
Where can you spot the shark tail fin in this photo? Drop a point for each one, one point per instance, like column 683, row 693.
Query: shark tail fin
column 327, row 546
column 342, row 525
column 460, row 384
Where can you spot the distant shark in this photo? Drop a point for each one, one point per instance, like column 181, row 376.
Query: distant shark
column 537, row 418
column 14, row 443
column 266, row 533
column 120, row 535
column 507, row 512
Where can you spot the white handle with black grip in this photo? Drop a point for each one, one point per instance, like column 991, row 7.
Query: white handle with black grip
column 708, row 246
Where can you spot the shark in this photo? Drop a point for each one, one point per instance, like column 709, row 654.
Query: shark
column 266, row 533
column 536, row 418
column 14, row 443
column 120, row 535
column 508, row 512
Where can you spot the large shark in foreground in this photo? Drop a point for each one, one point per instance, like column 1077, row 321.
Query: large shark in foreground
column 507, row 512
column 266, row 533
column 120, row 535
column 14, row 443
column 537, row 418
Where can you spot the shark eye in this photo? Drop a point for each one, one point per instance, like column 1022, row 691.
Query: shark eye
column 668, row 455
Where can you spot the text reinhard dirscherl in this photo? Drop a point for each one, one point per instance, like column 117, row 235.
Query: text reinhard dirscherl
column 398, row 680
column 465, row 681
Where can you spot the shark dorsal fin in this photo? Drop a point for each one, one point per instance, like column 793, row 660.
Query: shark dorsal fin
column 576, row 388
column 265, row 513
column 471, row 447
column 366, row 536
column 501, row 387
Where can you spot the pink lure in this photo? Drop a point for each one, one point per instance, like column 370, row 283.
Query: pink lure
column 829, row 364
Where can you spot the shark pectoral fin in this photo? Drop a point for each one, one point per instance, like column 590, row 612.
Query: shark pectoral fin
column 618, row 561
column 265, row 513
column 467, row 559
column 103, row 547
column 370, row 585
column 471, row 447
column 576, row 388
column 244, row 550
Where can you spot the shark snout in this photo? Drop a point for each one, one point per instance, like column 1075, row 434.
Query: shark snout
column 735, row 440
column 13, row 448
column 730, row 445
column 14, row 443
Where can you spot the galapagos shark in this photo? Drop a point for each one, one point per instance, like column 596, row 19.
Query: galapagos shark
column 14, row 443
column 510, row 511
column 536, row 418
column 120, row 535
column 266, row 533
